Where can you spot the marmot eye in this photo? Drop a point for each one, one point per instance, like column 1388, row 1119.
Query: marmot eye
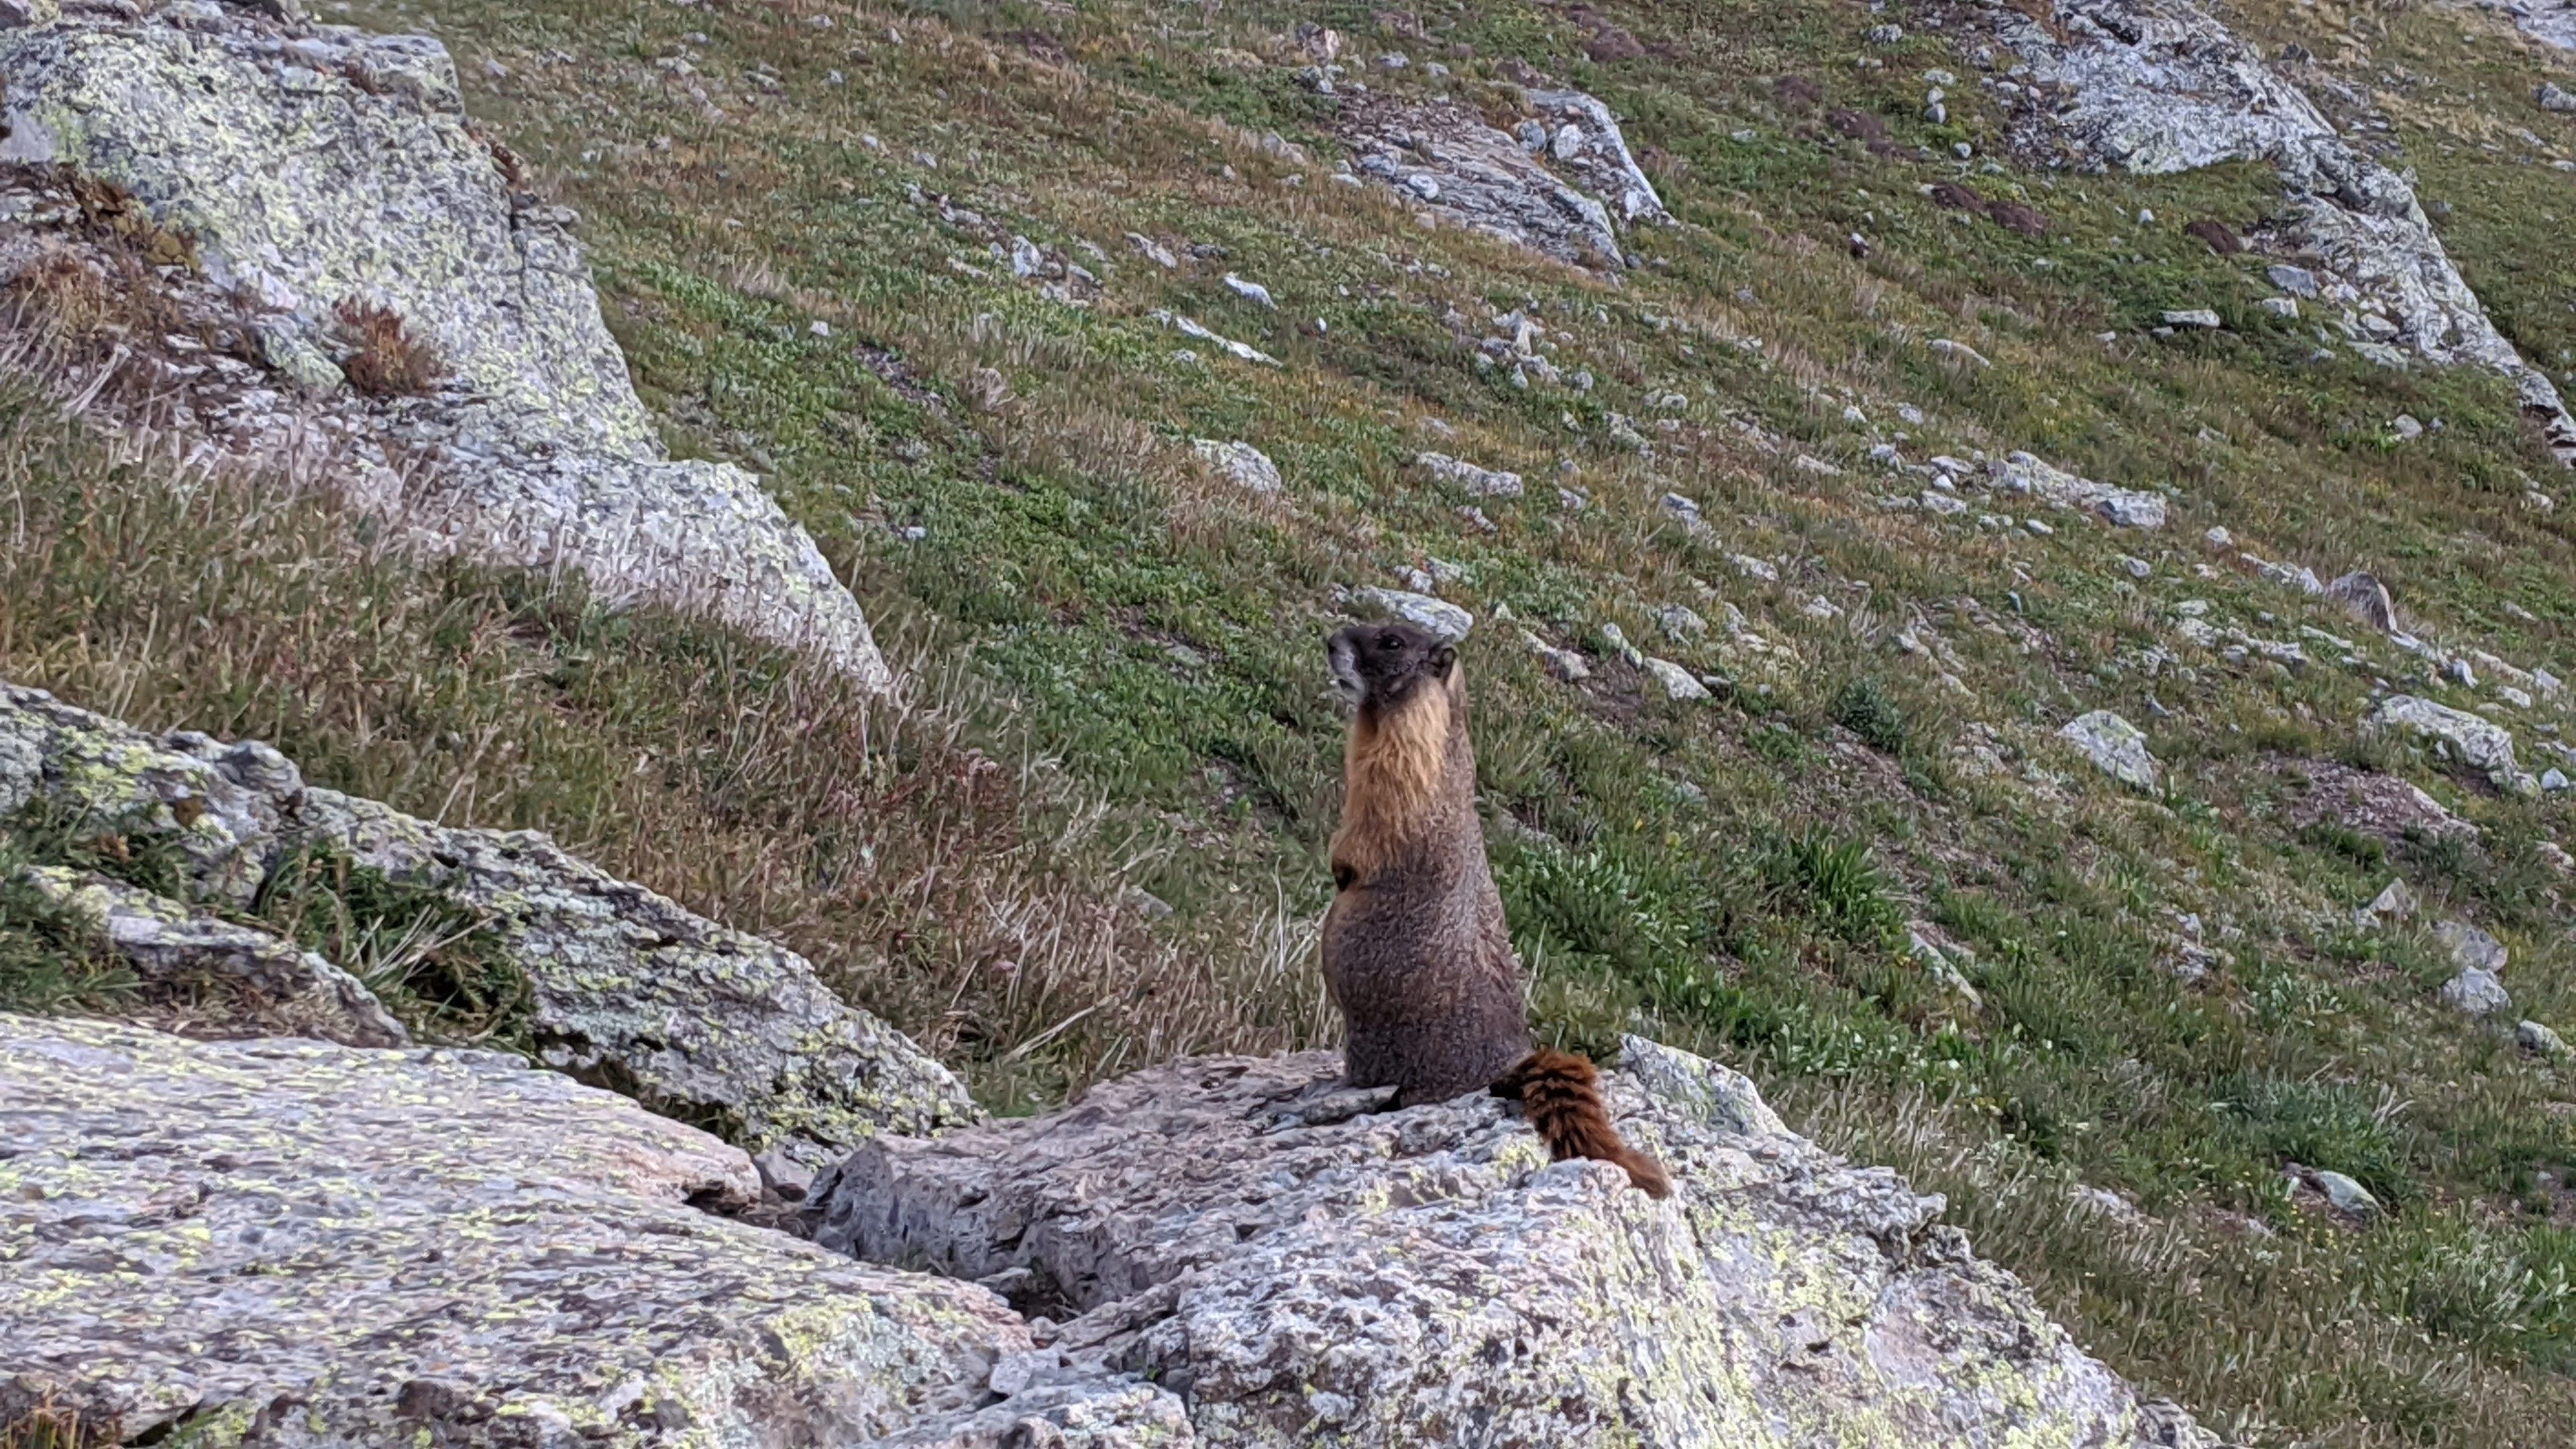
column 1390, row 641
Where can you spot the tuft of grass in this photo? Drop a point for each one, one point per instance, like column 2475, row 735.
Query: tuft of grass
column 382, row 356
column 1864, row 707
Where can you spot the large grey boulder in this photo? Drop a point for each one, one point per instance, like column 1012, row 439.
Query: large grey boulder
column 274, row 1243
column 2481, row 744
column 1299, row 1267
column 2157, row 87
column 317, row 166
column 627, row 989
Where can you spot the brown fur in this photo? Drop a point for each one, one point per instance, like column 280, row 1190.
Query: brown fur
column 1415, row 950
column 1560, row 1093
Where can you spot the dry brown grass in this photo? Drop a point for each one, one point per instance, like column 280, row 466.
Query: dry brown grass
column 384, row 357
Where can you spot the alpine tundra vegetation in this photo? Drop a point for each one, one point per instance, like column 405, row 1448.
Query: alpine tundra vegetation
column 665, row 767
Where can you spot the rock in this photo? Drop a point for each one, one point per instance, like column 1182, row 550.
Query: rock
column 2406, row 428
column 2297, row 281
column 2157, row 87
column 1565, row 664
column 2480, row 744
column 2115, row 746
column 2552, row 98
column 2345, row 1194
column 2476, row 992
column 1250, row 291
column 1680, row 622
column 2121, row 507
column 266, row 986
column 1306, row 1269
column 1420, row 610
column 2395, row 902
column 2540, row 1041
column 2554, row 780
column 18, row 14
column 2193, row 317
column 2470, row 948
column 1239, row 462
column 426, row 1246
column 1683, row 508
column 626, row 988
column 1478, row 482
column 1677, row 682
column 555, row 461
column 1192, row 328
column 1959, row 352
column 2279, row 306
column 2366, row 599
column 1445, row 158
column 1152, row 250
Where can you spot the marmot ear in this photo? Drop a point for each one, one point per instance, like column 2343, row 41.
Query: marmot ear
column 1443, row 656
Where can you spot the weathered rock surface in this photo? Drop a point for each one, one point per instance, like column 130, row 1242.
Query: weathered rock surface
column 1240, row 463
column 2116, row 747
column 1422, row 611
column 294, row 1243
column 2480, row 744
column 2120, row 507
column 268, row 986
column 2160, row 86
column 1445, row 159
column 1299, row 1268
column 628, row 989
column 316, row 166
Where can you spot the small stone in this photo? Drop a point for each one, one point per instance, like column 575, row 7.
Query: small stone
column 2279, row 306
column 2540, row 1041
column 2405, row 427
column 1479, row 482
column 2471, row 948
column 20, row 14
column 1250, row 291
column 1760, row 570
column 1564, row 664
column 2365, row 598
column 2345, row 1194
column 2477, row 993
column 2115, row 746
column 1152, row 250
column 2553, row 98
column 1884, row 36
column 2395, row 902
column 1239, row 462
column 1681, row 622
column 783, row 1175
column 1422, row 611
column 2553, row 779
column 1678, row 683
column 2297, row 281
column 2220, row 538
column 2200, row 317
column 2481, row 744
column 2138, row 568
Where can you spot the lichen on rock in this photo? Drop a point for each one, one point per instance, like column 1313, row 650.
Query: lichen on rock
column 294, row 1243
column 627, row 989
column 1302, row 1267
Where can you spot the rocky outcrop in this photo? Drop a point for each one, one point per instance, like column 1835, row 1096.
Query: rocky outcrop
column 313, row 169
column 1566, row 185
column 1297, row 1266
column 626, row 989
column 2116, row 747
column 293, row 1243
column 2160, row 86
column 2481, row 745
column 261, row 984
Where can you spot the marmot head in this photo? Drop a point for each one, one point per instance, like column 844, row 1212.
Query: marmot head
column 1381, row 666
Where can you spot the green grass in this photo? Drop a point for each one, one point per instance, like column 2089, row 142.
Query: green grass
column 1117, row 658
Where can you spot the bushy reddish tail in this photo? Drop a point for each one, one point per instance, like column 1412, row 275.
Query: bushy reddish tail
column 1560, row 1093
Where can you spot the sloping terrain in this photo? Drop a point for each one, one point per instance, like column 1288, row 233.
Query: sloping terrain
column 1843, row 382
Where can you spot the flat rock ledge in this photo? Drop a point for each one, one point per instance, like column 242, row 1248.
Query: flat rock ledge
column 295, row 1243
column 1298, row 1267
column 630, row 991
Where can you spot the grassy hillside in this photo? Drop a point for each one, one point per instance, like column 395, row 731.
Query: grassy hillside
column 803, row 215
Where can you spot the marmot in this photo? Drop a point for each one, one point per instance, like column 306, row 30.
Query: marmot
column 1415, row 951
